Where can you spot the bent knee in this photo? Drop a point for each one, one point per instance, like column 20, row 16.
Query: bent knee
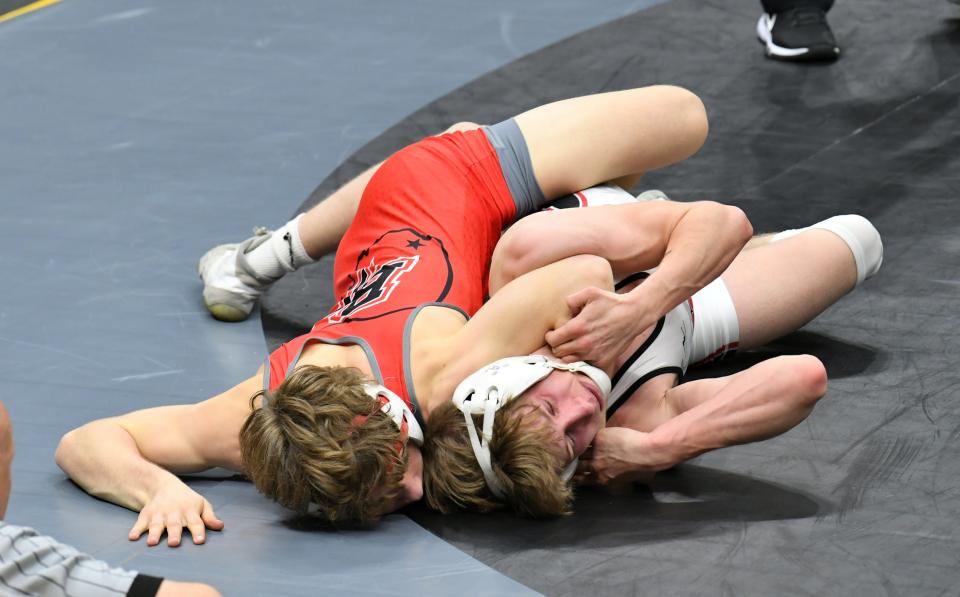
column 461, row 127
column 691, row 113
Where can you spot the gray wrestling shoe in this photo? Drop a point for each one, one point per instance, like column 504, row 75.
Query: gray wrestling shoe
column 230, row 286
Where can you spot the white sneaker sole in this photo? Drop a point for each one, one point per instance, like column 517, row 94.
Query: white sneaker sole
column 226, row 297
column 764, row 27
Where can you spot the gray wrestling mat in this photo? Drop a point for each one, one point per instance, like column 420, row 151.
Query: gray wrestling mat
column 134, row 135
column 862, row 498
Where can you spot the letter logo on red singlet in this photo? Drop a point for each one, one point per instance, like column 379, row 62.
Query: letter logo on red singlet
column 374, row 285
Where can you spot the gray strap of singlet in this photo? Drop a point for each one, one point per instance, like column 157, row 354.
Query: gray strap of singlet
column 266, row 383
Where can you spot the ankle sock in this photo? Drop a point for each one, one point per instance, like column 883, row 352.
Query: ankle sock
column 283, row 252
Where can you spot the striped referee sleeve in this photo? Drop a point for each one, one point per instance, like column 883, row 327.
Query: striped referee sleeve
column 36, row 565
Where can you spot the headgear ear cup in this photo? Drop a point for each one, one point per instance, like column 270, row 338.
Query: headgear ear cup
column 398, row 411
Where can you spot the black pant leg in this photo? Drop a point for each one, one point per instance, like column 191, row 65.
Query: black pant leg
column 774, row 6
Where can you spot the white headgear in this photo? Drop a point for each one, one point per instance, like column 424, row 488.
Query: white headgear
column 488, row 389
column 397, row 410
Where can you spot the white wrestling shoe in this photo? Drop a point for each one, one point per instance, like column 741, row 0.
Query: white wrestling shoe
column 230, row 286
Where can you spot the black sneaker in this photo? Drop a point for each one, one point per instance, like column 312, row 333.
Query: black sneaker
column 800, row 34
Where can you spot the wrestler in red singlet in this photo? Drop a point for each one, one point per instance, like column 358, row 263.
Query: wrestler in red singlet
column 424, row 233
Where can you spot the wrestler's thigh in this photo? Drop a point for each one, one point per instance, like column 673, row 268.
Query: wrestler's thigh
column 580, row 142
column 779, row 287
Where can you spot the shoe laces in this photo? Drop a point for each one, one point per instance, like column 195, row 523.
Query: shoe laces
column 805, row 15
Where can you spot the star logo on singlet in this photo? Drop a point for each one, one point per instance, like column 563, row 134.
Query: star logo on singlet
column 413, row 244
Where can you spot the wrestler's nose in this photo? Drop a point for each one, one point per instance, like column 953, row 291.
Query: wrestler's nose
column 579, row 411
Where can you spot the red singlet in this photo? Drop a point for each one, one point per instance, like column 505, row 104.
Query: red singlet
column 424, row 233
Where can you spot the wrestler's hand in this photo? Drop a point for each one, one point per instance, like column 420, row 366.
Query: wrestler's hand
column 604, row 325
column 173, row 507
column 618, row 455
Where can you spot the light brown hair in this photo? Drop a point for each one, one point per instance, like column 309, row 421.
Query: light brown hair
column 305, row 451
column 529, row 472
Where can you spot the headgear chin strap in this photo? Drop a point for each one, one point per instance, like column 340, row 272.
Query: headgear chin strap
column 487, row 390
column 398, row 411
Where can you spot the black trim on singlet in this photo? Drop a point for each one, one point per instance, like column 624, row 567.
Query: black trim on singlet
column 349, row 319
column 144, row 585
column 636, row 354
column 636, row 385
column 631, row 279
column 570, row 201
column 407, row 368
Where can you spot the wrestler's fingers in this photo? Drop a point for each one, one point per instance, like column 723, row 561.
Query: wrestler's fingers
column 197, row 528
column 138, row 527
column 566, row 333
column 155, row 530
column 578, row 299
column 572, row 347
column 174, row 530
column 209, row 517
column 559, row 344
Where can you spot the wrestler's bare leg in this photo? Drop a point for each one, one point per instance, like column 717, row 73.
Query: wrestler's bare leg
column 577, row 143
column 235, row 275
column 613, row 133
column 778, row 287
column 768, row 291
column 322, row 227
column 775, row 288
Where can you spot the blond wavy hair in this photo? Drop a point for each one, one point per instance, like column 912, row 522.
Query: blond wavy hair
column 304, row 450
column 529, row 472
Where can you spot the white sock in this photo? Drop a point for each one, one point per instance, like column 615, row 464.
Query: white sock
column 283, row 252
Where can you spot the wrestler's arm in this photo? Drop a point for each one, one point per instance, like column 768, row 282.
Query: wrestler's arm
column 514, row 321
column 130, row 460
column 690, row 243
column 764, row 401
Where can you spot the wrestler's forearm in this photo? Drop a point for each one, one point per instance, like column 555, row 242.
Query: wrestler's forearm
column 514, row 321
column 103, row 459
column 701, row 246
column 764, row 401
